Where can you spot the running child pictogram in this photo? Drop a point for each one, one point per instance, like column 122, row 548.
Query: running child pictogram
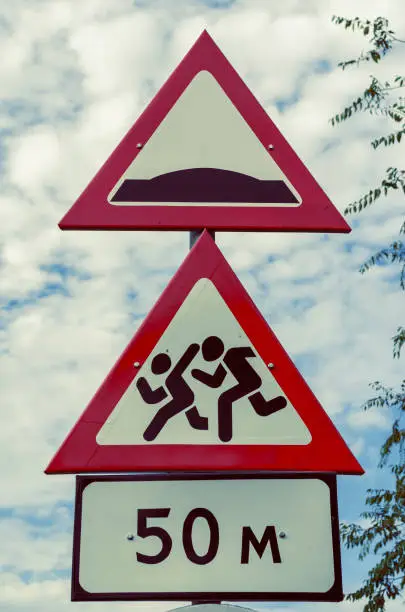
column 235, row 361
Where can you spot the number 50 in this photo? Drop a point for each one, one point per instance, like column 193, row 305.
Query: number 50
column 145, row 531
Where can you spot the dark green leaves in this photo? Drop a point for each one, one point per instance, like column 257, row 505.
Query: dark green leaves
column 394, row 253
column 393, row 180
column 398, row 340
column 382, row 530
column 378, row 33
column 376, row 100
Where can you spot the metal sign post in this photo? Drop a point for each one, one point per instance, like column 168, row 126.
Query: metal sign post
column 212, row 607
column 234, row 496
column 195, row 234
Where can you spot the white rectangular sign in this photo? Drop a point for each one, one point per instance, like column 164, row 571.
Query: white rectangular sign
column 211, row 537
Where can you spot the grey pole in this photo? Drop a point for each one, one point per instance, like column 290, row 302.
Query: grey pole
column 213, row 606
column 195, row 234
column 206, row 603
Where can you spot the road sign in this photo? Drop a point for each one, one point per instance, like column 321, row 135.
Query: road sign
column 204, row 153
column 211, row 607
column 211, row 537
column 204, row 385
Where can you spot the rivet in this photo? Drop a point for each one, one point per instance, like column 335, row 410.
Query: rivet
column 271, row 147
column 270, row 365
column 130, row 537
column 137, row 364
column 139, row 145
column 282, row 534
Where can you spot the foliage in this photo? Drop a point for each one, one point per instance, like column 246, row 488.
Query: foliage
column 383, row 98
column 395, row 252
column 394, row 179
column 379, row 36
column 398, row 341
column 379, row 98
column 383, row 532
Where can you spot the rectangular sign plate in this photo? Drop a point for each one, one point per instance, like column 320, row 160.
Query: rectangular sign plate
column 235, row 537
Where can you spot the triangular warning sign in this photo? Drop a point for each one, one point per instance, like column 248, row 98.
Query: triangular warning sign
column 204, row 385
column 204, row 153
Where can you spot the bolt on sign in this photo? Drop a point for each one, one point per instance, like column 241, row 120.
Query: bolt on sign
column 236, row 460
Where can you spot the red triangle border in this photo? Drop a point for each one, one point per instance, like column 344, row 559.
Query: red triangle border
column 316, row 213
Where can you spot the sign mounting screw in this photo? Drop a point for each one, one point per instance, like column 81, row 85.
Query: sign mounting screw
column 137, row 364
column 139, row 145
column 130, row 537
column 270, row 366
column 282, row 535
column 270, row 146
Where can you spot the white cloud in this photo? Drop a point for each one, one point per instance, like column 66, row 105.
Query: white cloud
column 361, row 419
column 34, row 158
column 32, row 549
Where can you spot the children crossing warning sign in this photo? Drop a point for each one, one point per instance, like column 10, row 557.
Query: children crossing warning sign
column 204, row 384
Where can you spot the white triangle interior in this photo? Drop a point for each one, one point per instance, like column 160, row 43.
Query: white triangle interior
column 203, row 313
column 204, row 130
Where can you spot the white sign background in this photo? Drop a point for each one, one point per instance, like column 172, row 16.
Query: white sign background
column 300, row 507
column 203, row 313
column 204, row 130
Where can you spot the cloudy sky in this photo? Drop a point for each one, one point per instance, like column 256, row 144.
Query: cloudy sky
column 74, row 76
